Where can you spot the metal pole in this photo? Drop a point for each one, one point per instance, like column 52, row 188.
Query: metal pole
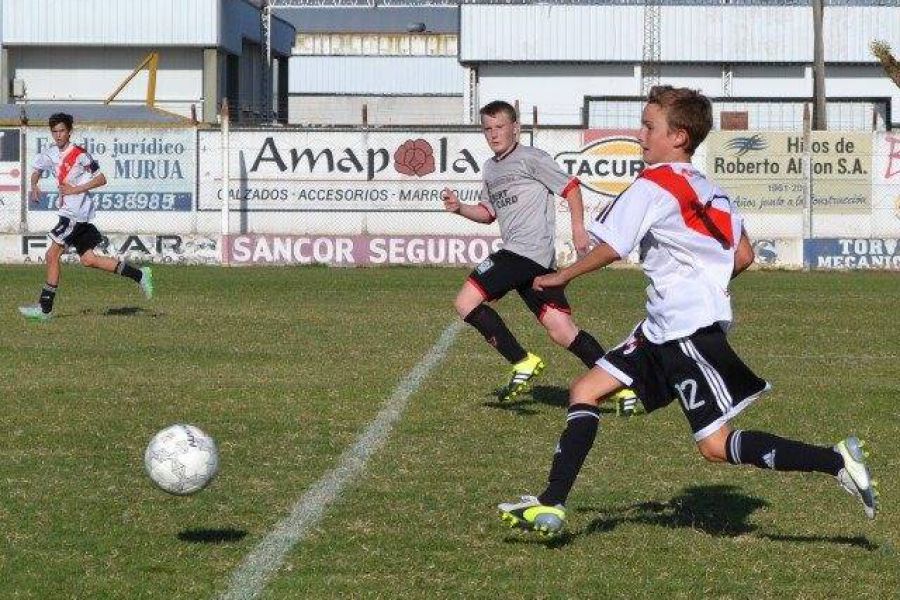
column 226, row 186
column 820, row 121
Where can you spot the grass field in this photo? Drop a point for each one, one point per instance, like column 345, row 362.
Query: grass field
column 285, row 367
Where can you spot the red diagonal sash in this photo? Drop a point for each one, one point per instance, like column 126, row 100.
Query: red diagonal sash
column 66, row 164
column 703, row 219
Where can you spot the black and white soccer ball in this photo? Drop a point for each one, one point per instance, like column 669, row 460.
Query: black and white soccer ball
column 181, row 459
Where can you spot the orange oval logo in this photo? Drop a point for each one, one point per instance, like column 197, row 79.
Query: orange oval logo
column 606, row 166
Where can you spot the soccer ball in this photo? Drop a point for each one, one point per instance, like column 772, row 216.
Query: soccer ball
column 181, row 459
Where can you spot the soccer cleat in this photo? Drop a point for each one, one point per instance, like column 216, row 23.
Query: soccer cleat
column 522, row 373
column 627, row 403
column 855, row 476
column 529, row 514
column 34, row 313
column 146, row 282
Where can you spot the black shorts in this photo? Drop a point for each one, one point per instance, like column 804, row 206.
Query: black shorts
column 701, row 370
column 503, row 271
column 69, row 232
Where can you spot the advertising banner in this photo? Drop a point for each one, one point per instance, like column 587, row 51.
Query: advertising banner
column 10, row 180
column 606, row 161
column 316, row 171
column 147, row 170
column 886, row 184
column 765, row 171
column 852, row 253
column 360, row 250
column 160, row 248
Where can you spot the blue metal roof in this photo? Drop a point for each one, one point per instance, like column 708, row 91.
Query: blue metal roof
column 127, row 115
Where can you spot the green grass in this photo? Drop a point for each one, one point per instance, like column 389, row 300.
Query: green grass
column 285, row 367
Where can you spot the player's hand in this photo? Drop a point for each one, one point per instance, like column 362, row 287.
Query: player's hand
column 580, row 239
column 35, row 194
column 451, row 201
column 548, row 281
column 66, row 189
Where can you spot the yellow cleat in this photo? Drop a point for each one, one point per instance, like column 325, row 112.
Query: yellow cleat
column 523, row 372
column 627, row 402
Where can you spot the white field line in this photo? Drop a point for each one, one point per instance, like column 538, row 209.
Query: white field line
column 251, row 577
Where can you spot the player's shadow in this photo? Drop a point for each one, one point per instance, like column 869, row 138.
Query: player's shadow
column 718, row 510
column 550, row 395
column 212, row 536
column 122, row 311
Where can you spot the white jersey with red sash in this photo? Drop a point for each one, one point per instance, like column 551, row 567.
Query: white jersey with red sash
column 72, row 165
column 687, row 229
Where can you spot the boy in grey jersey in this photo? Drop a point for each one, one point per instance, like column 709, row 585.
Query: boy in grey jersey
column 76, row 173
column 520, row 183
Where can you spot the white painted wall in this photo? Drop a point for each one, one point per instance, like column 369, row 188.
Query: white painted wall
column 87, row 74
column 382, row 110
column 558, row 89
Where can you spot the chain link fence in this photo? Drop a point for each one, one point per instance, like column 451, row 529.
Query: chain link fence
column 372, row 195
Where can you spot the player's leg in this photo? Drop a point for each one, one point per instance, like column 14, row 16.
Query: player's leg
column 552, row 309
column 472, row 307
column 87, row 238
column 52, row 258
column 546, row 513
column 489, row 281
column 714, row 385
column 48, row 293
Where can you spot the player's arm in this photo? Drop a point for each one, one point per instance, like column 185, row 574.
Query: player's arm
column 601, row 255
column 474, row 212
column 743, row 254
column 35, row 185
column 572, row 194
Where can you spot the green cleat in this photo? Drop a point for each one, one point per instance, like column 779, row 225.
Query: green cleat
column 34, row 313
column 529, row 514
column 855, row 476
column 521, row 377
column 146, row 282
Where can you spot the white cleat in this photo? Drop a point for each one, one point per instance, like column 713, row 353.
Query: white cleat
column 35, row 313
column 146, row 282
column 855, row 476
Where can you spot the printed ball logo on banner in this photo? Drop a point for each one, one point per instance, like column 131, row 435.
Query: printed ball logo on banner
column 414, row 157
column 181, row 459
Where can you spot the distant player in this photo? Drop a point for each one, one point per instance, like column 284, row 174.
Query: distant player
column 518, row 191
column 692, row 242
column 76, row 173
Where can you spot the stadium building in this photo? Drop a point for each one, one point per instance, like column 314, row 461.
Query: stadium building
column 207, row 50
column 586, row 63
column 378, row 65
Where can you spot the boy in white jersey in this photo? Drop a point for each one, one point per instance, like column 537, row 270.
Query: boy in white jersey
column 518, row 191
column 692, row 242
column 76, row 173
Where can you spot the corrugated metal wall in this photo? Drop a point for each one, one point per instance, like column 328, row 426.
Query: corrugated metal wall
column 209, row 23
column 111, row 22
column 687, row 33
column 550, row 33
column 422, row 75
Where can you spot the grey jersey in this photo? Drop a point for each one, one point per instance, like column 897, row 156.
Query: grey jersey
column 518, row 190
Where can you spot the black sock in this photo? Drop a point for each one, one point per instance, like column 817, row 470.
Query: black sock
column 126, row 270
column 768, row 451
column 48, row 294
column 586, row 348
column 486, row 320
column 574, row 444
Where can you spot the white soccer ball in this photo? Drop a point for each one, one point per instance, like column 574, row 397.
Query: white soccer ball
column 181, row 459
